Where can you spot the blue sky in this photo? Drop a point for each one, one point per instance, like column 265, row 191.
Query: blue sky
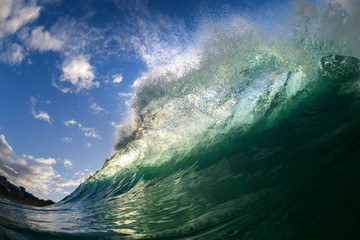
column 66, row 70
column 66, row 75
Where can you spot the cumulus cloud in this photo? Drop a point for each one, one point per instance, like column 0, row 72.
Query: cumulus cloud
column 62, row 182
column 5, row 149
column 43, row 41
column 67, row 36
column 67, row 139
column 45, row 161
column 62, row 191
column 96, row 108
column 117, row 78
column 28, row 171
column 67, row 163
column 88, row 132
column 70, row 123
column 14, row 14
column 14, row 54
column 115, row 125
column 41, row 115
column 78, row 71
column 125, row 94
column 83, row 173
column 36, row 174
column 80, row 173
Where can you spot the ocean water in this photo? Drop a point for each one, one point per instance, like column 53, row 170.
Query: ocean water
column 245, row 135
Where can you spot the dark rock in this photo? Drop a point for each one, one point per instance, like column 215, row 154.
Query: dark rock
column 19, row 195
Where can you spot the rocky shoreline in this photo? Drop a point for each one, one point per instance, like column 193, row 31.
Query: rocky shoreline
column 19, row 195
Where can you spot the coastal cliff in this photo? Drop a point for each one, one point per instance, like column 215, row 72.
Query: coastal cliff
column 19, row 195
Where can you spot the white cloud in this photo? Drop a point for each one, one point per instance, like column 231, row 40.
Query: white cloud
column 88, row 132
column 79, row 72
column 80, row 173
column 47, row 161
column 125, row 94
column 62, row 182
column 5, row 148
column 5, row 9
column 14, row 14
column 70, row 122
column 89, row 144
column 115, row 125
column 33, row 173
column 96, row 108
column 43, row 41
column 62, row 89
column 67, row 139
column 14, row 54
column 36, row 174
column 41, row 115
column 62, row 191
column 117, row 78
column 67, row 163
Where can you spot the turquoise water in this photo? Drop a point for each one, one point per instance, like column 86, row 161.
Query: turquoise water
column 248, row 137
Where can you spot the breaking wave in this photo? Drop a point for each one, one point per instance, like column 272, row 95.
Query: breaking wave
column 243, row 135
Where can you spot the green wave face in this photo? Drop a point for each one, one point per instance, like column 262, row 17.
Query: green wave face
column 259, row 155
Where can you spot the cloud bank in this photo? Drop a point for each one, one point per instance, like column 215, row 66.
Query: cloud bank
column 36, row 174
